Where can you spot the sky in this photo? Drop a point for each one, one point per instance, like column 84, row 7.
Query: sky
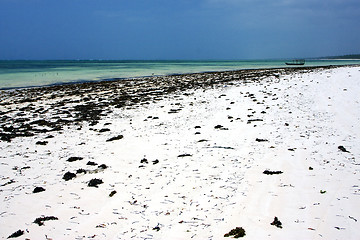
column 178, row 29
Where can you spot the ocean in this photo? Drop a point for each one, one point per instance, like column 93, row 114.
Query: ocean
column 20, row 74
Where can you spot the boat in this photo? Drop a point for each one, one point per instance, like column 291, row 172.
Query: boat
column 296, row 62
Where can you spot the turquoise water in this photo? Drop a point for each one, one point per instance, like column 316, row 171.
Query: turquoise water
column 16, row 74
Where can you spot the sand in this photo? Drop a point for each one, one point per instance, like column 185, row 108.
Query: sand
column 184, row 157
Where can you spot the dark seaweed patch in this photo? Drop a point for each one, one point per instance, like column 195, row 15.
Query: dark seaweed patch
column 95, row 182
column 40, row 221
column 79, row 171
column 268, row 172
column 90, row 163
column 261, row 140
column 38, row 189
column 115, row 138
column 236, row 233
column 68, row 176
column 185, row 155
column 103, row 166
column 276, row 223
column 16, row 234
column 73, row 159
column 112, row 193
column 342, row 148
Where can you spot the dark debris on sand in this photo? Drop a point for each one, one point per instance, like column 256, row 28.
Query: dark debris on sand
column 40, row 221
column 115, row 138
column 95, row 182
column 342, row 148
column 276, row 223
column 38, row 189
column 16, row 234
column 268, row 172
column 20, row 104
column 68, row 176
column 73, row 159
column 237, row 232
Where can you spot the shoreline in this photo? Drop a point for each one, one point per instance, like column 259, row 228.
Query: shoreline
column 166, row 75
column 122, row 93
column 184, row 156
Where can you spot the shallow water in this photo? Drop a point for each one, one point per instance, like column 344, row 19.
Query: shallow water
column 15, row 74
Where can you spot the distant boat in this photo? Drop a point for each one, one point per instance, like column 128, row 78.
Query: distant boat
column 296, row 62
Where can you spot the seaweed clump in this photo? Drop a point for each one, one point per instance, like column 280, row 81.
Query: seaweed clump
column 68, row 176
column 276, row 223
column 237, row 232
column 40, row 221
column 95, row 182
column 16, row 234
column 268, row 172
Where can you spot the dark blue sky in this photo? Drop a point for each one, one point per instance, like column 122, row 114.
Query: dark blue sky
column 178, row 29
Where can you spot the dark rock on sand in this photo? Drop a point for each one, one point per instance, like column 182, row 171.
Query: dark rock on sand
column 267, row 172
column 73, row 159
column 40, row 221
column 236, row 233
column 276, row 223
column 16, row 234
column 38, row 189
column 68, row 176
column 115, row 138
column 95, row 182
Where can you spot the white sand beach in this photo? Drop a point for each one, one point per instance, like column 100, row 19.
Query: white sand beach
column 190, row 165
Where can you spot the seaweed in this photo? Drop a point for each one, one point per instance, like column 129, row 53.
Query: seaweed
column 95, row 182
column 38, row 189
column 261, row 140
column 103, row 166
column 276, row 223
column 41, row 143
column 237, row 232
column 16, row 234
column 185, row 155
column 90, row 163
column 80, row 170
column 267, row 172
column 342, row 148
column 68, row 176
column 115, row 138
column 40, row 221
column 112, row 193
column 73, row 159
